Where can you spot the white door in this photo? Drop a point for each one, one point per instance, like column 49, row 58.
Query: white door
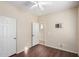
column 9, row 36
column 35, row 33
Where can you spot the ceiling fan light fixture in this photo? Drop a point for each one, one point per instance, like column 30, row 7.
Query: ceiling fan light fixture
column 37, row 4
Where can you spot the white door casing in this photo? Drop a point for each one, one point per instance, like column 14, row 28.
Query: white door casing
column 35, row 33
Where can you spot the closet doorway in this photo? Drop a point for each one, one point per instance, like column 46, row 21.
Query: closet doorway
column 35, row 33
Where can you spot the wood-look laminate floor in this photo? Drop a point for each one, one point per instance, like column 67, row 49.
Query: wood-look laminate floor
column 45, row 51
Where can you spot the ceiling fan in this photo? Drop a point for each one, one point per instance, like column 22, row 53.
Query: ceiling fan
column 35, row 4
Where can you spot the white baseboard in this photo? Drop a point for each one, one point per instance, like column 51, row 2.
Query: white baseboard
column 19, row 51
column 25, row 50
column 68, row 51
column 63, row 49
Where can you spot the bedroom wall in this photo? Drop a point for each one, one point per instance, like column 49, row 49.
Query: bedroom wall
column 78, row 31
column 61, row 38
column 24, row 20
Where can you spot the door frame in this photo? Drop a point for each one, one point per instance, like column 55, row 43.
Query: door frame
column 16, row 29
column 32, row 32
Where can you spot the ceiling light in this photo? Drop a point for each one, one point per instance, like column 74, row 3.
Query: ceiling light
column 38, row 5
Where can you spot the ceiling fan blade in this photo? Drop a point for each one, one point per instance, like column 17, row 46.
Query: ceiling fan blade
column 29, row 4
column 41, row 7
column 34, row 6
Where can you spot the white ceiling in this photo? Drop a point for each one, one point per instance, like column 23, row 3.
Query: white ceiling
column 48, row 6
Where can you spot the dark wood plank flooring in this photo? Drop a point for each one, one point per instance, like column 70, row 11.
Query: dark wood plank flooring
column 45, row 51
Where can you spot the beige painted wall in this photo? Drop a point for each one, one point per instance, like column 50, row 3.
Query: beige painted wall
column 78, row 31
column 63, row 38
column 24, row 20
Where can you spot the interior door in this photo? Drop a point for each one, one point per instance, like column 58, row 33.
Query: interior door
column 8, row 37
column 35, row 33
